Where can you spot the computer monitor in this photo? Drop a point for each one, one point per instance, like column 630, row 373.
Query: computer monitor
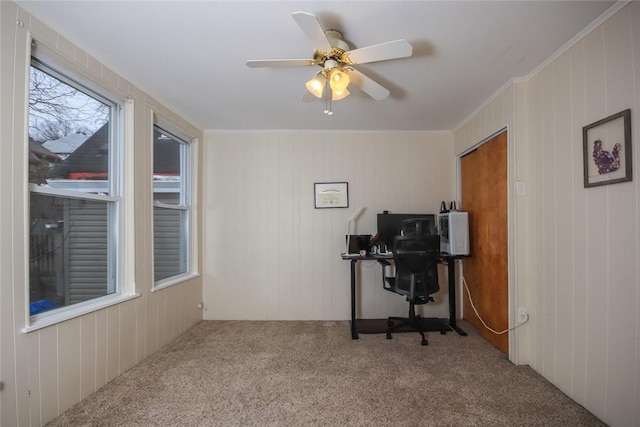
column 390, row 225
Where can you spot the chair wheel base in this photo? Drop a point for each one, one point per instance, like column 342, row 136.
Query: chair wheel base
column 411, row 323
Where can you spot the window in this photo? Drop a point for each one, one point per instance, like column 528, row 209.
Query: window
column 75, row 197
column 172, row 210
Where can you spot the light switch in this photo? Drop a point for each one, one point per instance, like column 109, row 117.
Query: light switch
column 521, row 188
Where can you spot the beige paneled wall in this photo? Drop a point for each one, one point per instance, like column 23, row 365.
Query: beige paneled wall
column 270, row 255
column 577, row 250
column 46, row 371
column 494, row 116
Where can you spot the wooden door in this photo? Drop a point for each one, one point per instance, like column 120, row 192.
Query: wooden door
column 484, row 196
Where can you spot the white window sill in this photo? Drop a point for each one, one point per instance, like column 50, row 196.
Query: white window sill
column 44, row 320
column 173, row 280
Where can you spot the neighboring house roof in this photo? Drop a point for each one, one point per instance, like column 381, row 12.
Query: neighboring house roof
column 90, row 156
column 166, row 158
column 67, row 144
column 91, row 160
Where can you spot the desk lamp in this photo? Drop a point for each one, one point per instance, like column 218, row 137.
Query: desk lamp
column 355, row 215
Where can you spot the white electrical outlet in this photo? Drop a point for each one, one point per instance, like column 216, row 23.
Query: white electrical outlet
column 523, row 315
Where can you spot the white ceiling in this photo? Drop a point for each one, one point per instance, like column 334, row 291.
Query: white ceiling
column 190, row 55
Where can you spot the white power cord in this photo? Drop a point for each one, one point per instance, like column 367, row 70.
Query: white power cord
column 482, row 320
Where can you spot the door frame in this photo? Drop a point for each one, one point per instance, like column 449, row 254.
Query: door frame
column 511, row 241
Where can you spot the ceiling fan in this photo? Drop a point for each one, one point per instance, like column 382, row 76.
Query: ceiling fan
column 337, row 60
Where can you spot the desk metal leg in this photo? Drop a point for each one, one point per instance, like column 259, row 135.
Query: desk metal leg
column 451, row 264
column 354, row 328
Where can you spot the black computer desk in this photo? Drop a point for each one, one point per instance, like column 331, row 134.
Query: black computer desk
column 383, row 259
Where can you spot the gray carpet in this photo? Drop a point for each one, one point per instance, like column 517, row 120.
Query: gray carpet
column 228, row 373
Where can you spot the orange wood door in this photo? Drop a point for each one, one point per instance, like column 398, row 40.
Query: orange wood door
column 484, row 196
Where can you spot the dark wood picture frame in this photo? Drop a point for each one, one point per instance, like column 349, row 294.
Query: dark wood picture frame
column 606, row 150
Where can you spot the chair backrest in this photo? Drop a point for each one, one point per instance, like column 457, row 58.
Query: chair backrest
column 416, row 257
column 418, row 227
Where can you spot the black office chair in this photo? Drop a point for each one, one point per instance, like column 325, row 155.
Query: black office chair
column 418, row 227
column 416, row 258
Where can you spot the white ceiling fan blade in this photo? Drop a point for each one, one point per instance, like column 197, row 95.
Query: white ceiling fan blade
column 381, row 52
column 369, row 86
column 279, row 63
column 309, row 24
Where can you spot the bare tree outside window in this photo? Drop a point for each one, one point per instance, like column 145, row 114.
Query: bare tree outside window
column 69, row 151
column 57, row 109
column 61, row 119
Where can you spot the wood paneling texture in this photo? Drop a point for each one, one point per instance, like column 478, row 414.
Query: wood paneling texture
column 484, row 197
column 44, row 372
column 578, row 249
column 279, row 257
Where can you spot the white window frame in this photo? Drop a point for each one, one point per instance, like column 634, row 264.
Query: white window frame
column 119, row 197
column 185, row 203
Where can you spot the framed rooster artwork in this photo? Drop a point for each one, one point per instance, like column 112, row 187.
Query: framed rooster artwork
column 607, row 150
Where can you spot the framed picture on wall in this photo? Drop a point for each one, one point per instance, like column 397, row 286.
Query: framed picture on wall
column 331, row 194
column 607, row 150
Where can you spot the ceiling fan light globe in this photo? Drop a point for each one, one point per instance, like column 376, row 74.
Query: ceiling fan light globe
column 316, row 85
column 338, row 79
column 337, row 95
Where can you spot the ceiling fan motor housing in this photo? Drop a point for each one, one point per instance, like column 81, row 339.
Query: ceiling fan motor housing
column 336, row 57
column 335, row 38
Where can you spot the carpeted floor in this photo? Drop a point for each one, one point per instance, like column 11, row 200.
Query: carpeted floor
column 242, row 373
